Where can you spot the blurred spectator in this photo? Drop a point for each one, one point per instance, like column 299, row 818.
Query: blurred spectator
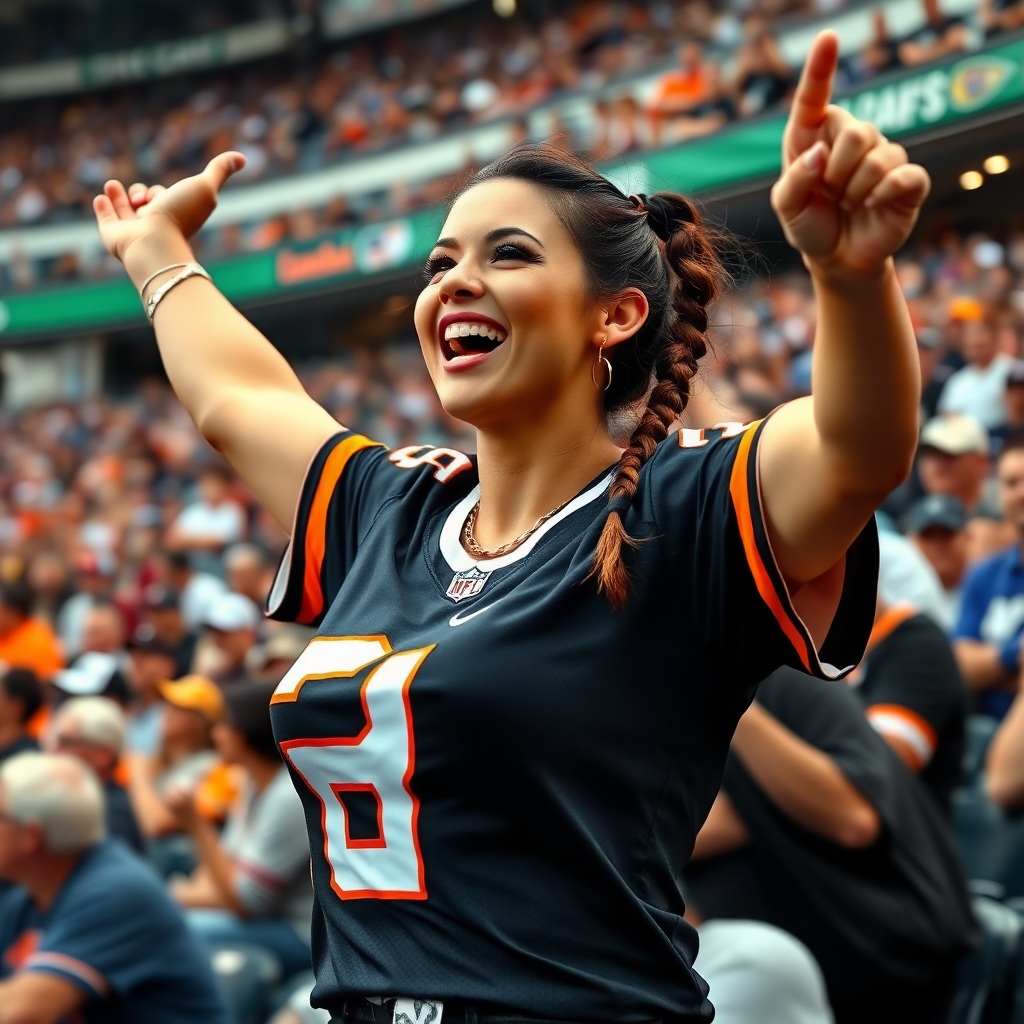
column 270, row 660
column 689, row 100
column 941, row 35
column 913, row 696
column 103, row 629
column 763, row 79
column 988, row 633
column 1004, row 763
column 1013, row 400
column 933, row 374
column 979, row 389
column 880, row 54
column 92, row 580
column 1001, row 15
column 25, row 642
column 186, row 756
column 830, row 837
column 247, row 572
column 161, row 612
column 93, row 730
column 937, row 525
column 93, row 674
column 89, row 933
column 232, row 622
column 152, row 662
column 953, row 458
column 195, row 590
column 252, row 884
column 20, row 698
column 905, row 576
column 211, row 523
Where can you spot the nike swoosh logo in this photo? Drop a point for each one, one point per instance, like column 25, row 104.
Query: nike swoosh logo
column 457, row 620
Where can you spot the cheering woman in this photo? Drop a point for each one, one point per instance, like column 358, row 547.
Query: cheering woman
column 516, row 712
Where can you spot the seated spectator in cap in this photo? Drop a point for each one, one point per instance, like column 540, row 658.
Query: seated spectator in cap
column 151, row 662
column 979, row 389
column 913, row 695
column 937, row 526
column 26, row 642
column 89, row 933
column 953, row 458
column 252, row 884
column 211, row 523
column 103, row 629
column 161, row 609
column 195, row 590
column 93, row 730
column 232, row 624
column 820, row 830
column 1013, row 399
column 193, row 706
column 987, row 638
column 248, row 572
column 21, row 696
column 941, row 35
column 93, row 577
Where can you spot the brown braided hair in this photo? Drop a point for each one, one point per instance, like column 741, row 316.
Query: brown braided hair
column 660, row 245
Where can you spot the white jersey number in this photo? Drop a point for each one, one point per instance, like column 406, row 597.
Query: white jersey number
column 378, row 763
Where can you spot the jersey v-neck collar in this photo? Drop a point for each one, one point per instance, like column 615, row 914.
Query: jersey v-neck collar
column 460, row 560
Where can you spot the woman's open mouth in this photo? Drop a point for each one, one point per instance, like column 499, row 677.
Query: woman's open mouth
column 465, row 337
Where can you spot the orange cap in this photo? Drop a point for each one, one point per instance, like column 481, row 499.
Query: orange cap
column 195, row 693
column 965, row 307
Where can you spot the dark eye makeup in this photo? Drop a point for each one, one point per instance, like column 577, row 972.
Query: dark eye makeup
column 439, row 263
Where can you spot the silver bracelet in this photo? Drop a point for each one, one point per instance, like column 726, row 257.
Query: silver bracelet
column 191, row 270
column 155, row 274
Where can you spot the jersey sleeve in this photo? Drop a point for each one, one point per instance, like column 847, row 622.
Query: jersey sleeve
column 912, row 687
column 706, row 504
column 340, row 495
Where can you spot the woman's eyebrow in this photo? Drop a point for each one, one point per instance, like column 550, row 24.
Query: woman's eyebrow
column 491, row 236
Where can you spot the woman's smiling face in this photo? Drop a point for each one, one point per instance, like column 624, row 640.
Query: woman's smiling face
column 505, row 322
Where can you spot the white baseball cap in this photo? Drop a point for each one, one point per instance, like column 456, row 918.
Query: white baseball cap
column 955, row 434
column 231, row 612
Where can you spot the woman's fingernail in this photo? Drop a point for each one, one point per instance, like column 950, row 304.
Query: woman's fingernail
column 814, row 158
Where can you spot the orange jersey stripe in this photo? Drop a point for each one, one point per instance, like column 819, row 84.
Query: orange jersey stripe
column 739, row 490
column 316, row 525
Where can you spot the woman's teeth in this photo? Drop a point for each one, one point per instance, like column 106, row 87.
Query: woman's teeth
column 453, row 331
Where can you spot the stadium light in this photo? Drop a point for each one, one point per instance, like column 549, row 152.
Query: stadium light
column 504, row 8
column 997, row 164
column 971, row 180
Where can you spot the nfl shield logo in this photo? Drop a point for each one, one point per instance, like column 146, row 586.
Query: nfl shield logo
column 466, row 584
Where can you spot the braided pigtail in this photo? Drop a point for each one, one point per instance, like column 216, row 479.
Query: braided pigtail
column 694, row 274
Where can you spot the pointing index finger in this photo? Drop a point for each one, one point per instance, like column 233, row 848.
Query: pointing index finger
column 813, row 93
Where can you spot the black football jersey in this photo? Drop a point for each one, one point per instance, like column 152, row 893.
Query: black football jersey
column 502, row 776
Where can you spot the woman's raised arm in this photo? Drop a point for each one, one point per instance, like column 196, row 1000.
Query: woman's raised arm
column 847, row 199
column 238, row 388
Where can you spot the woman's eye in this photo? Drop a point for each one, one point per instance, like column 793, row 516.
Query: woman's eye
column 437, row 265
column 509, row 251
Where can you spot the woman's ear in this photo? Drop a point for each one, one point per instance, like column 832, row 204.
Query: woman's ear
column 621, row 317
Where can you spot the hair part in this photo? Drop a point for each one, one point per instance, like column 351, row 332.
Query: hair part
column 662, row 247
column 59, row 794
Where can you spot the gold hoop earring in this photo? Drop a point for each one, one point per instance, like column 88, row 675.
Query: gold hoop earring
column 602, row 358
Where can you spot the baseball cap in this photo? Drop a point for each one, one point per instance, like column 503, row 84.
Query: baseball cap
column 955, row 434
column 145, row 639
column 1015, row 374
column 936, row 510
column 965, row 307
column 92, row 674
column 195, row 693
column 231, row 612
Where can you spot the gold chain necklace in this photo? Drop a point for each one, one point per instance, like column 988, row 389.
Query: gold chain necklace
column 470, row 541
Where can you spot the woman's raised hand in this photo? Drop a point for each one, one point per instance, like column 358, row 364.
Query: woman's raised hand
column 847, row 198
column 124, row 217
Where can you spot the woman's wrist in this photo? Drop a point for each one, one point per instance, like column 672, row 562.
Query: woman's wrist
column 151, row 252
column 840, row 278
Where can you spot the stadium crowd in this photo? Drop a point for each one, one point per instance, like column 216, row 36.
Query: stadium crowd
column 411, row 84
column 133, row 565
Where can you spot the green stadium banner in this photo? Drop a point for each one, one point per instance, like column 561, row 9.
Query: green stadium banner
column 957, row 92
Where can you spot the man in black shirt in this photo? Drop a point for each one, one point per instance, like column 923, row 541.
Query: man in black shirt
column 914, row 697
column 20, row 698
column 821, row 831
